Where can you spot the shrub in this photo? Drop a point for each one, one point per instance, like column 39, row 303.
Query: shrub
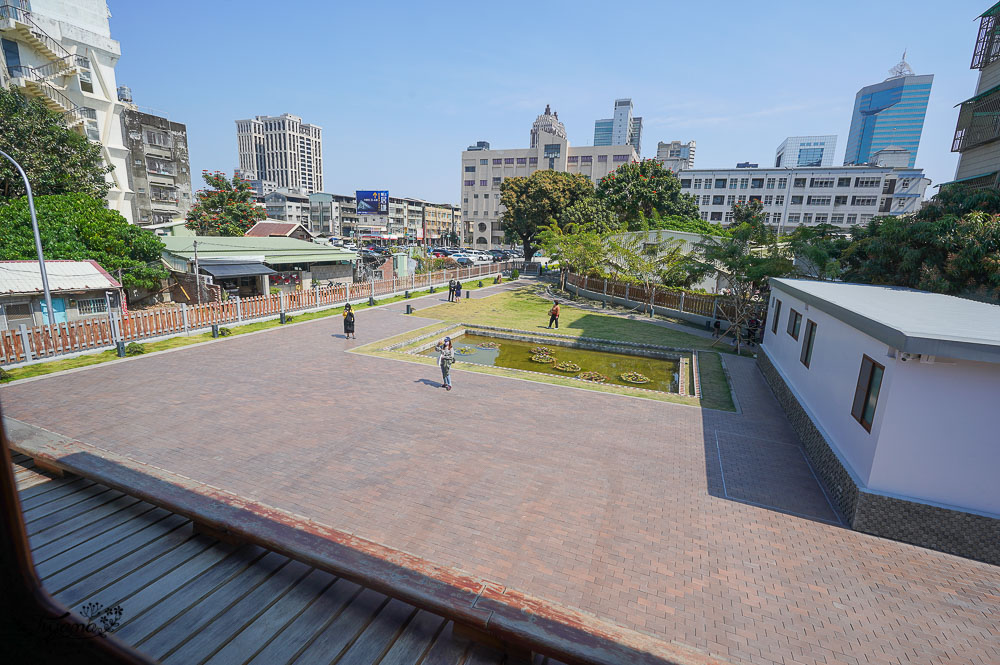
column 135, row 349
column 515, row 274
column 289, row 319
column 275, row 290
column 5, row 375
column 225, row 332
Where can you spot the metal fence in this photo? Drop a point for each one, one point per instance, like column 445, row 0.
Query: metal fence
column 33, row 343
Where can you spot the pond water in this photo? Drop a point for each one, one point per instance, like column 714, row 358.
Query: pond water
column 517, row 355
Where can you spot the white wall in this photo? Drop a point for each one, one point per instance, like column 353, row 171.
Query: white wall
column 826, row 388
column 941, row 443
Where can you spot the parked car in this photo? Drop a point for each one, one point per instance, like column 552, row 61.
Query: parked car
column 463, row 260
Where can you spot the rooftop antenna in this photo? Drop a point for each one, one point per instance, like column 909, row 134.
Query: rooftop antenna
column 901, row 69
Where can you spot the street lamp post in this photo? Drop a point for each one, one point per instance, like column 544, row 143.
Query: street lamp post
column 38, row 245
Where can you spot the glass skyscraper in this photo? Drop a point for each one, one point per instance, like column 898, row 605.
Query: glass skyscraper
column 890, row 113
column 623, row 129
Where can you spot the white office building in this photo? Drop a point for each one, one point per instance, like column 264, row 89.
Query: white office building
column 838, row 195
column 484, row 170
column 61, row 52
column 287, row 205
column 623, row 129
column 806, row 151
column 676, row 156
column 282, row 150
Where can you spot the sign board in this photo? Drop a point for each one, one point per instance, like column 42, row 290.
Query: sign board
column 372, row 202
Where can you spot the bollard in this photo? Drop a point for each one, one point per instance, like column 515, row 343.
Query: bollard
column 406, row 294
column 480, row 283
column 120, row 348
column 432, row 290
column 215, row 328
column 409, row 308
column 371, row 301
column 282, row 318
column 468, row 294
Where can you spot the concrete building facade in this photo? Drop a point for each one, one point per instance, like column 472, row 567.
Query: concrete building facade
column 483, row 171
column 61, row 52
column 977, row 134
column 838, row 195
column 622, row 129
column 159, row 172
column 408, row 220
column 675, row 155
column 283, row 150
column 806, row 151
column 288, row 206
column 889, row 114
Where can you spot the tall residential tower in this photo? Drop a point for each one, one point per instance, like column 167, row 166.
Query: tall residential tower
column 623, row 129
column 889, row 114
column 283, row 150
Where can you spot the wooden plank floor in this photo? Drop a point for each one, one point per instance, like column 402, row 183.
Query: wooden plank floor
column 186, row 598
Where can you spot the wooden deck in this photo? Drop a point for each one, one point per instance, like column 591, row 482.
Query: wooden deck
column 188, row 598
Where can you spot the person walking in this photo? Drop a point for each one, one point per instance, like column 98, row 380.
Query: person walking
column 445, row 361
column 716, row 328
column 349, row 322
column 451, row 290
column 554, row 314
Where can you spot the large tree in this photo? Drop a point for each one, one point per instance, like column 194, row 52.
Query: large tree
column 56, row 159
column 648, row 260
column 78, row 227
column 636, row 190
column 589, row 214
column 227, row 208
column 537, row 201
column 746, row 259
column 576, row 247
column 817, row 250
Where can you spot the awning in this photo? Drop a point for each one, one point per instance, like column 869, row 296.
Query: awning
column 236, row 269
column 971, row 177
column 984, row 93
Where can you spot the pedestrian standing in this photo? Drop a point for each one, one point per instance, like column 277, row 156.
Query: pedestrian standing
column 451, row 289
column 716, row 328
column 445, row 361
column 349, row 322
column 458, row 290
column 554, row 314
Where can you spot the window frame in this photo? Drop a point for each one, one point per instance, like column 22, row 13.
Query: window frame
column 777, row 316
column 809, row 343
column 863, row 389
column 794, row 327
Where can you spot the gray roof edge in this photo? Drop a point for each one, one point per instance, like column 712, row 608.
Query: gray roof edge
column 894, row 337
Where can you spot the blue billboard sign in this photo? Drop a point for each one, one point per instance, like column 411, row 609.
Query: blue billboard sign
column 372, row 202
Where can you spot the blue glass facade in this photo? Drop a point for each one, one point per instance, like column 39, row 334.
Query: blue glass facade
column 602, row 132
column 886, row 114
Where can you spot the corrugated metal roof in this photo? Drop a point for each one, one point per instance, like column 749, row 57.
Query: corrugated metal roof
column 25, row 277
column 274, row 250
column 267, row 229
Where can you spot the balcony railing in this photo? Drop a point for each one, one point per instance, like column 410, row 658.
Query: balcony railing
column 71, row 111
column 19, row 12
column 56, row 67
column 978, row 121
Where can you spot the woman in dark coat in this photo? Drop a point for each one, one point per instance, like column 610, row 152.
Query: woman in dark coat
column 349, row 322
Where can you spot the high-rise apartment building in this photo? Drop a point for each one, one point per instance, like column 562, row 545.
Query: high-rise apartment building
column 889, row 114
column 62, row 53
column 483, row 171
column 623, row 129
column 283, row 150
column 159, row 173
column 676, row 155
column 806, row 151
column 977, row 133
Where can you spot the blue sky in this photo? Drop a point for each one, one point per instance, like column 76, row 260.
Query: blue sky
column 401, row 88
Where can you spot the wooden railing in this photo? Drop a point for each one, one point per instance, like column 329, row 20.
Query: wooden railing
column 33, row 343
column 711, row 306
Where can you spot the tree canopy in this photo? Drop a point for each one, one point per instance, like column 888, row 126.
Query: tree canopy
column 537, row 201
column 77, row 227
column 635, row 190
column 226, row 209
column 591, row 214
column 56, row 159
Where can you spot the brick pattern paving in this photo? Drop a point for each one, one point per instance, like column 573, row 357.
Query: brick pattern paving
column 614, row 505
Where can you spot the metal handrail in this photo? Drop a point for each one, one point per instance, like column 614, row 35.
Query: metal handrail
column 55, row 67
column 50, row 91
column 21, row 14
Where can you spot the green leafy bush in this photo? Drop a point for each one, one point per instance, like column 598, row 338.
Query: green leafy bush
column 225, row 332
column 515, row 274
column 135, row 349
column 275, row 290
column 5, row 375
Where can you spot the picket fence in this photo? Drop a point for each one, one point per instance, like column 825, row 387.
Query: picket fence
column 26, row 344
column 711, row 306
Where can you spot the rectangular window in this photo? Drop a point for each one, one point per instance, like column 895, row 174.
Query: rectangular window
column 470, row 169
column 819, row 200
column 843, row 182
column 508, row 160
column 821, row 182
column 864, row 200
column 469, row 183
column 718, row 200
column 532, row 160
column 706, row 199
column 779, row 200
column 729, row 216
column 840, row 200
column 697, row 183
column 704, row 216
column 621, row 158
column 782, row 183
column 799, row 182
column 733, row 183
column 822, row 219
column 92, row 306
column 770, row 183
column 794, row 323
column 602, row 158
column 496, row 182
column 708, row 183
column 777, row 315
column 742, row 198
column 686, row 183
column 716, row 217
column 807, row 218
column 497, row 162
column 793, row 218
column 552, row 150
column 807, row 345
column 796, row 200
column 86, row 82
column 867, row 182
column 586, row 159
column 852, row 219
column 744, row 183
column 777, row 218
column 866, row 392
column 837, row 219
column 756, row 183
column 731, row 199
column 769, row 199
column 484, row 162
column 482, row 183
column 572, row 160
column 522, row 160
column 720, row 183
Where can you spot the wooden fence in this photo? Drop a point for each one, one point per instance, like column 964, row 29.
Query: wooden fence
column 26, row 344
column 710, row 306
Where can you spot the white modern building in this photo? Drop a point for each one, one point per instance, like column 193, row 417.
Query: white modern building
column 977, row 134
column 838, row 195
column 676, row 156
column 623, row 129
column 893, row 392
column 806, row 151
column 484, row 170
column 283, row 150
column 288, row 205
column 61, row 52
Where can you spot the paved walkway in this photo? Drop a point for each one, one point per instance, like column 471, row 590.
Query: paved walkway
column 701, row 527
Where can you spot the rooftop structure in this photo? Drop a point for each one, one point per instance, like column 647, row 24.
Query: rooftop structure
column 622, row 129
column 274, row 229
column 20, row 277
column 675, row 155
column 806, row 151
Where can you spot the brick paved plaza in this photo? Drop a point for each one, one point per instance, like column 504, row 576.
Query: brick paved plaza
column 701, row 527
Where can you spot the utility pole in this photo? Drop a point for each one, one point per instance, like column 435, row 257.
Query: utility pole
column 197, row 272
column 38, row 246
